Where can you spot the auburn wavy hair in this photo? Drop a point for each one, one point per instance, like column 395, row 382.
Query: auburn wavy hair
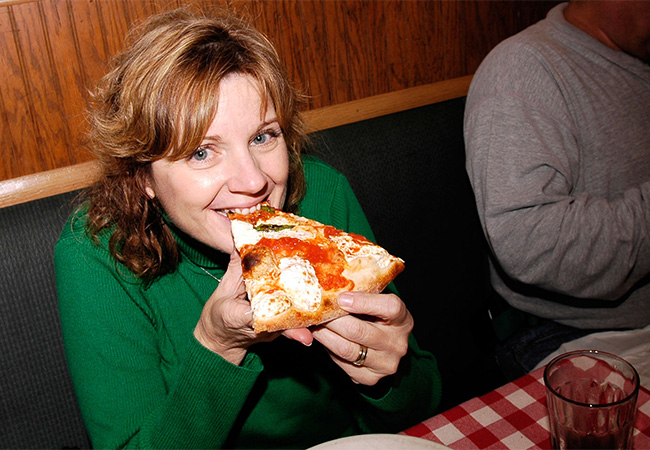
column 158, row 101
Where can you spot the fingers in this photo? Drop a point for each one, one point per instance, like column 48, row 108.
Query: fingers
column 302, row 335
column 371, row 364
column 344, row 348
column 386, row 345
column 384, row 334
column 225, row 325
column 386, row 307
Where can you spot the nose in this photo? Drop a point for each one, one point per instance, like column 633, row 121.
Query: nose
column 246, row 176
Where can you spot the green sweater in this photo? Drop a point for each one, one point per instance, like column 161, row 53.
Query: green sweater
column 143, row 381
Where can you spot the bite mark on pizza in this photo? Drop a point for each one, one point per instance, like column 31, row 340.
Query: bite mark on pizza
column 294, row 267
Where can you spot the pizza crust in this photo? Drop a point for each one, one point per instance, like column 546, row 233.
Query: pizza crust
column 368, row 276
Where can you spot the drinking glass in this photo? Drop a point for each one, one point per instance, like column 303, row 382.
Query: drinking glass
column 591, row 398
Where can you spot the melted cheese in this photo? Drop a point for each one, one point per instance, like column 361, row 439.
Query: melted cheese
column 243, row 233
column 351, row 249
column 299, row 281
column 269, row 304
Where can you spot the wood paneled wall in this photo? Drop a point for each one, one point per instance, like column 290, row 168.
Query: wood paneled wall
column 51, row 52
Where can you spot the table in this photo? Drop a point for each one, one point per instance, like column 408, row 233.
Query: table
column 513, row 416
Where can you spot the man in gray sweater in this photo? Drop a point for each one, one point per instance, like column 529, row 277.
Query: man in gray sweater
column 557, row 130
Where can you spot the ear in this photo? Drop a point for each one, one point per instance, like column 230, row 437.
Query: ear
column 150, row 192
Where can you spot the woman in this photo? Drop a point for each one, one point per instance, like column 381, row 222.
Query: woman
column 198, row 118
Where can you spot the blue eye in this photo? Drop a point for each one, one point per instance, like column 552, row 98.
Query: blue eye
column 200, row 154
column 261, row 138
column 265, row 137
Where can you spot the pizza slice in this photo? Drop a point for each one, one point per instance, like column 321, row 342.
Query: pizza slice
column 294, row 267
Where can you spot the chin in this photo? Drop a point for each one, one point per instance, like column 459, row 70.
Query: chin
column 216, row 234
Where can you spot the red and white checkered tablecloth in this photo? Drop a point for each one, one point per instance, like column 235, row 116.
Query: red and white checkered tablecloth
column 513, row 416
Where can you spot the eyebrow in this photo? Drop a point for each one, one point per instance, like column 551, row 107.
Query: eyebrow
column 267, row 123
column 215, row 138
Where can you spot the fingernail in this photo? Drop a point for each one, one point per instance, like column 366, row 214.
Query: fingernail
column 345, row 299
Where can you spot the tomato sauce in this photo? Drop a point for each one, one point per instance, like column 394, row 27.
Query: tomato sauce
column 320, row 257
column 330, row 231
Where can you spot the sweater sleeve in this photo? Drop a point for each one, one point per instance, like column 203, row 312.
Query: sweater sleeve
column 526, row 158
column 115, row 362
column 413, row 395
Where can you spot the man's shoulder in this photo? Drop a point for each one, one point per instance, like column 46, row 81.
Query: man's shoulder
column 522, row 65
column 523, row 49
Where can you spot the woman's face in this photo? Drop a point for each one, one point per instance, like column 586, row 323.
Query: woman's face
column 242, row 161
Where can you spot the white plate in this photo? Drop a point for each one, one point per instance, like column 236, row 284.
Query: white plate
column 380, row 442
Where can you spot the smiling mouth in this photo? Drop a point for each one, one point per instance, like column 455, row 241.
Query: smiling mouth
column 243, row 211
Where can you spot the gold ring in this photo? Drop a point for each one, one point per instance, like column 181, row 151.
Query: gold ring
column 363, row 352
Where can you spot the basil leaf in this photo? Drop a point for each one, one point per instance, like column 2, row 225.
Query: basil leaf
column 272, row 227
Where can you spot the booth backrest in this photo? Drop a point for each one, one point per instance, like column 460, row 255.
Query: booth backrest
column 407, row 169
column 38, row 408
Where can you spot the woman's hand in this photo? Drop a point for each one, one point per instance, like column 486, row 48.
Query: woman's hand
column 379, row 322
column 226, row 323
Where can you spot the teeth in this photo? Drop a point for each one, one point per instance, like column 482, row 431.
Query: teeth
column 244, row 210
